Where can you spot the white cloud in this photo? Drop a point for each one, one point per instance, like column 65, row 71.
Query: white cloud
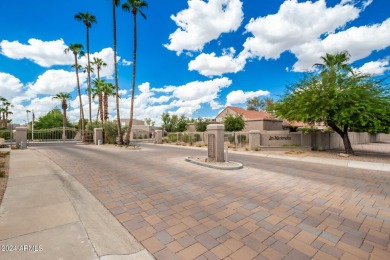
column 107, row 55
column 126, row 62
column 375, row 67
column 295, row 24
column 203, row 22
column 353, row 39
column 54, row 81
column 240, row 97
column 181, row 100
column 43, row 53
column 210, row 65
column 10, row 86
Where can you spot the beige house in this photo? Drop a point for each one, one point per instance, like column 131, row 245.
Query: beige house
column 140, row 129
column 254, row 120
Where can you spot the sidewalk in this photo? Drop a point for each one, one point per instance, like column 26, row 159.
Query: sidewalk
column 47, row 214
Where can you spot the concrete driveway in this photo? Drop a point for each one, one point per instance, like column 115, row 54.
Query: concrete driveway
column 271, row 209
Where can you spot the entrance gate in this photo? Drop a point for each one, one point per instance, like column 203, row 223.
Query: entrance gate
column 57, row 135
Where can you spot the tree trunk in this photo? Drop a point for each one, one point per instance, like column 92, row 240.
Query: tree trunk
column 127, row 141
column 344, row 135
column 118, row 119
column 105, row 97
column 81, row 102
column 89, row 80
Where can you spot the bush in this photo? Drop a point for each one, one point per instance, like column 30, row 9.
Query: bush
column 196, row 138
column 231, row 139
column 145, row 136
column 185, row 138
column 2, row 174
column 241, row 138
column 172, row 137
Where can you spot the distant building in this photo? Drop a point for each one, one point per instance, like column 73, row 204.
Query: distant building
column 139, row 128
column 254, row 120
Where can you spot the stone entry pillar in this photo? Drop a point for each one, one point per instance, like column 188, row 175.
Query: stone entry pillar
column 20, row 136
column 158, row 136
column 215, row 136
column 254, row 139
column 98, row 136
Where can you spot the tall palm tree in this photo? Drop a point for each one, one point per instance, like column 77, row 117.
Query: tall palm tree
column 115, row 4
column 63, row 97
column 99, row 63
column 88, row 19
column 77, row 49
column 108, row 90
column 135, row 7
column 335, row 63
column 97, row 90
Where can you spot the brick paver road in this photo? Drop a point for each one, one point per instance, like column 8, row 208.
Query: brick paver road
column 271, row 209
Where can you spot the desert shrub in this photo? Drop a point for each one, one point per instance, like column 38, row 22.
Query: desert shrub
column 241, row 138
column 172, row 137
column 185, row 138
column 196, row 138
column 231, row 138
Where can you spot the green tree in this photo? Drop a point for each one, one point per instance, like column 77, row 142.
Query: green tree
column 341, row 99
column 174, row 123
column 87, row 19
column 135, row 7
column 181, row 123
column 201, row 124
column 77, row 49
column 259, row 104
column 63, row 97
column 233, row 123
column 52, row 119
column 149, row 121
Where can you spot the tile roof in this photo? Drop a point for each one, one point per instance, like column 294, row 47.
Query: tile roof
column 251, row 114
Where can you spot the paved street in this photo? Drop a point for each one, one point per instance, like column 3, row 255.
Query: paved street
column 271, row 209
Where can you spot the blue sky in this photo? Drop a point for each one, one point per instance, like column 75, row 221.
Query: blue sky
column 194, row 57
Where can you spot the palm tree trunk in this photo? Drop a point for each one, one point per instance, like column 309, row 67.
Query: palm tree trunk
column 105, row 108
column 81, row 102
column 64, row 106
column 133, row 81
column 89, row 79
column 118, row 119
column 101, row 107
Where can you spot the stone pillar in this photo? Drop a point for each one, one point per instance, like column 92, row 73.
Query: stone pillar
column 158, row 136
column 254, row 139
column 20, row 136
column 98, row 136
column 215, row 138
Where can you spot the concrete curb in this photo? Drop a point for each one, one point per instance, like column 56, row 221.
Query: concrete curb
column 209, row 165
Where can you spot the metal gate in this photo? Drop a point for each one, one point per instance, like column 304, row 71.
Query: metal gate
column 59, row 135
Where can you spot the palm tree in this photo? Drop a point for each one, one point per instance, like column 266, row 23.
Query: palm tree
column 77, row 49
column 108, row 90
column 88, row 19
column 99, row 63
column 135, row 7
column 115, row 4
column 63, row 97
column 98, row 91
